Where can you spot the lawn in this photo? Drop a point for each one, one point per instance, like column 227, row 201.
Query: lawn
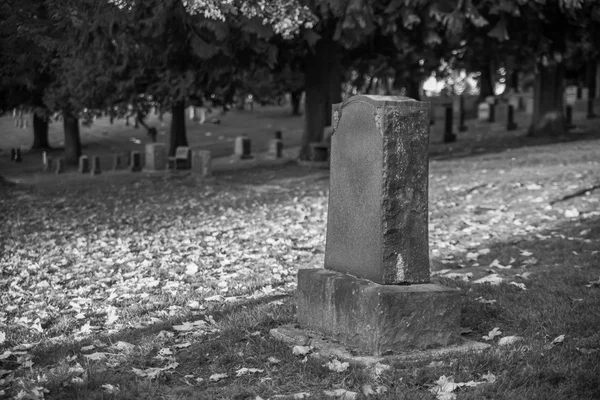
column 166, row 287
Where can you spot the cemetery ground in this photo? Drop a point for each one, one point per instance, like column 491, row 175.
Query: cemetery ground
column 166, row 286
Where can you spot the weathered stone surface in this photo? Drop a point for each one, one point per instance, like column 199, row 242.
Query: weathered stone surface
column 135, row 164
column 377, row 318
column 377, row 226
column 275, row 148
column 243, row 147
column 156, row 157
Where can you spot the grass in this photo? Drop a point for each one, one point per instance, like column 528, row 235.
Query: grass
column 76, row 252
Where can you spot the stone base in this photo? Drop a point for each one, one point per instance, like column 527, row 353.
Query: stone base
column 377, row 319
column 325, row 348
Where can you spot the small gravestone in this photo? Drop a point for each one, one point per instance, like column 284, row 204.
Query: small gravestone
column 242, row 147
column 60, row 166
column 571, row 95
column 529, row 105
column 117, row 160
column 84, row 165
column 95, row 170
column 449, row 136
column 510, row 118
column 483, row 112
column 135, row 163
column 569, row 116
column 156, row 157
column 275, row 148
column 46, row 162
column 202, row 162
column 585, row 92
column 462, row 127
column 515, row 101
column 374, row 293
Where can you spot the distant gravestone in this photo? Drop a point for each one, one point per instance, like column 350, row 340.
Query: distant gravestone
column 84, row 165
column 156, row 157
column 529, row 105
column 202, row 162
column 116, row 162
column 242, row 147
column 60, row 166
column 46, row 162
column 374, row 293
column 483, row 112
column 275, row 148
column 95, row 170
column 135, row 162
column 571, row 95
column 182, row 158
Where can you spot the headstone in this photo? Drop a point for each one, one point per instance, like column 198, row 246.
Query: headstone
column 95, row 170
column 590, row 109
column 492, row 113
column 275, row 148
column 18, row 155
column 46, row 162
column 374, row 293
column 60, row 166
column 202, row 162
column 156, row 157
column 500, row 112
column 84, row 164
column 242, row 147
column 569, row 116
column 135, row 162
column 585, row 94
column 483, row 112
column 319, row 151
column 514, row 101
column 529, row 105
column 116, row 162
column 571, row 95
column 449, row 136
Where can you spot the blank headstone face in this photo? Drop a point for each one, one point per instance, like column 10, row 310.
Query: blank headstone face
column 182, row 152
column 483, row 112
column 156, row 156
column 377, row 226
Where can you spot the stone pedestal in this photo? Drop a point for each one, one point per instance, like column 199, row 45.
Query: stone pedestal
column 135, row 163
column 275, row 148
column 84, row 165
column 377, row 318
column 95, row 169
column 156, row 157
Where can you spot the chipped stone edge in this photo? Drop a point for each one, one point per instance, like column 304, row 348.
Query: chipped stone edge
column 326, row 348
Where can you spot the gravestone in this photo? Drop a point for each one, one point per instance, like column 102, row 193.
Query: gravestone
column 46, row 162
column 571, row 95
column 483, row 112
column 116, row 162
column 449, row 136
column 95, row 170
column 60, row 166
column 156, row 157
column 510, row 118
column 515, row 101
column 135, row 162
column 84, row 165
column 275, row 148
column 202, row 162
column 374, row 293
column 529, row 105
column 242, row 147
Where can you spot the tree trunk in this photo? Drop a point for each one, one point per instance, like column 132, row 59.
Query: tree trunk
column 322, row 67
column 591, row 78
column 40, row 133
column 548, row 115
column 72, row 139
column 486, row 82
column 178, row 135
column 514, row 80
column 412, row 89
column 295, row 97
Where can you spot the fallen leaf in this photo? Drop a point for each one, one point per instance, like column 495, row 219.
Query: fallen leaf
column 484, row 251
column 341, row 394
column 593, row 283
column 217, row 377
column 496, row 264
column 244, row 371
column 489, row 377
column 508, row 340
column 492, row 334
column 95, row 356
column 110, row 388
column 216, row 297
column 337, row 366
column 273, row 360
column 2, row 337
column 301, row 350
column 571, row 213
column 493, row 279
column 191, row 269
column 88, row 348
column 519, row 285
column 182, row 345
column 485, row 301
column 558, row 339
